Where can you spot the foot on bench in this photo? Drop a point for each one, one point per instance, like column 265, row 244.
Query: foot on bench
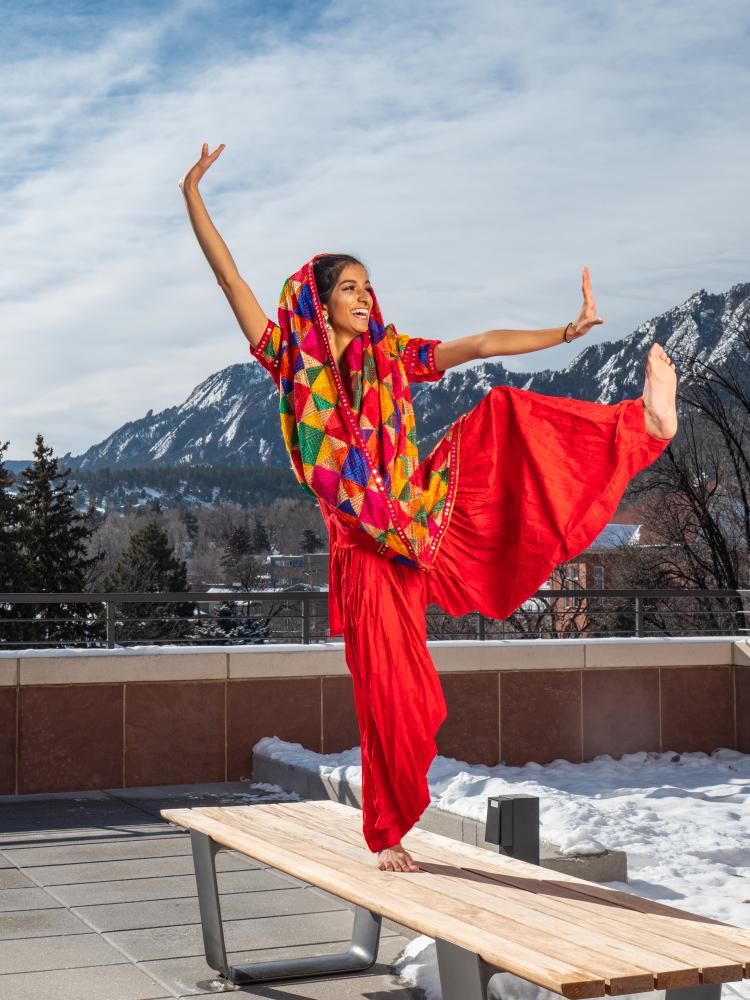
column 396, row 859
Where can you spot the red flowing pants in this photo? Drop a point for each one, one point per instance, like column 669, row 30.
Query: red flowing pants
column 538, row 479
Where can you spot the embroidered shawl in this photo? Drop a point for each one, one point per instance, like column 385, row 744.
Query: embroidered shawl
column 356, row 450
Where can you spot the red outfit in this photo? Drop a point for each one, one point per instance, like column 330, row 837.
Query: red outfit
column 538, row 479
column 517, row 485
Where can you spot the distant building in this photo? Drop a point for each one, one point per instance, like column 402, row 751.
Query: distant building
column 308, row 569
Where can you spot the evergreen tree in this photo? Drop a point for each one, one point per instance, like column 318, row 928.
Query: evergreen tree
column 55, row 537
column 11, row 559
column 261, row 540
column 239, row 559
column 233, row 624
column 12, row 565
column 149, row 565
column 311, row 541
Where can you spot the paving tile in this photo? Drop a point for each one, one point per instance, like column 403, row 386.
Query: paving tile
column 170, row 887
column 113, row 982
column 40, row 923
column 24, row 837
column 26, row 899
column 267, row 932
column 364, row 985
column 216, row 793
column 47, row 801
column 62, row 952
column 122, row 850
column 189, row 976
column 90, row 812
column 62, row 819
column 11, row 878
column 235, row 906
column 98, row 871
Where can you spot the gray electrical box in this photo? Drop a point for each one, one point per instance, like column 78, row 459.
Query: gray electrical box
column 513, row 825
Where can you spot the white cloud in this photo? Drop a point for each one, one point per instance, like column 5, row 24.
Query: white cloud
column 475, row 155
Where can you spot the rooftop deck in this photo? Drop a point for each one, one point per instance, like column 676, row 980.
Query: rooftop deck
column 98, row 902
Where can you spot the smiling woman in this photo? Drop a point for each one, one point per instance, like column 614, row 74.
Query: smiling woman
column 517, row 485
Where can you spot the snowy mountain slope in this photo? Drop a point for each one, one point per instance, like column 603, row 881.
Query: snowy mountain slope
column 231, row 418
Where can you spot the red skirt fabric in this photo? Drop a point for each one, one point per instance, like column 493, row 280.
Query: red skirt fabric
column 538, row 479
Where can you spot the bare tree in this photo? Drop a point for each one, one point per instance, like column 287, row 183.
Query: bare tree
column 702, row 482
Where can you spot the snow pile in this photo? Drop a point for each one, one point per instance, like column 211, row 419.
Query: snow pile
column 683, row 819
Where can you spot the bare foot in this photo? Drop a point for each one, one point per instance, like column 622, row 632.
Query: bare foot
column 659, row 391
column 396, row 859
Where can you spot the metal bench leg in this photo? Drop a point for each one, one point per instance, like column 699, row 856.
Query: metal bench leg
column 463, row 974
column 361, row 954
column 204, row 859
column 712, row 991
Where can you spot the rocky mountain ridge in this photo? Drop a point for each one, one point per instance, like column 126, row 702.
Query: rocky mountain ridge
column 231, row 418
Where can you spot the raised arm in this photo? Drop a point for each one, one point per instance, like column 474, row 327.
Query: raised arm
column 497, row 343
column 250, row 316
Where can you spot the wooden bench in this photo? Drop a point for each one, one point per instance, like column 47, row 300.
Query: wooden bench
column 487, row 912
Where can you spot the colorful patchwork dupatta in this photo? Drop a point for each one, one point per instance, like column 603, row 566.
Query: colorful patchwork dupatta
column 356, row 451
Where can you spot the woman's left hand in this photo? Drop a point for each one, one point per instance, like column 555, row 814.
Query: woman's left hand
column 587, row 316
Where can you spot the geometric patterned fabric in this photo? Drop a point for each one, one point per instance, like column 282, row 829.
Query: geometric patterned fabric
column 350, row 431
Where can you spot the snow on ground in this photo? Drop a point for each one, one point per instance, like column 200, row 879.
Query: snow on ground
column 683, row 819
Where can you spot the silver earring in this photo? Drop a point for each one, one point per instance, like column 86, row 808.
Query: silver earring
column 326, row 322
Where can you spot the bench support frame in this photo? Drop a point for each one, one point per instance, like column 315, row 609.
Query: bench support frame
column 362, row 953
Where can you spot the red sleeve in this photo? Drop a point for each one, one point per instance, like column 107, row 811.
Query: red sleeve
column 270, row 349
column 418, row 357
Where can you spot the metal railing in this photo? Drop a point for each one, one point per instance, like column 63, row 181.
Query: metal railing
column 110, row 620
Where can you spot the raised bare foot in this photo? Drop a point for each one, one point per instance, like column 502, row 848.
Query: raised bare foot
column 396, row 859
column 659, row 391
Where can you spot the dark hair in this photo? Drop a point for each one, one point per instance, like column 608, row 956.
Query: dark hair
column 327, row 269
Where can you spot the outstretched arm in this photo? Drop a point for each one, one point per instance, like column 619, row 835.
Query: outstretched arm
column 498, row 343
column 250, row 316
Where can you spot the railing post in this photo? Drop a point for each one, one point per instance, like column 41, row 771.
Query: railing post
column 305, row 619
column 480, row 626
column 109, row 607
column 638, row 617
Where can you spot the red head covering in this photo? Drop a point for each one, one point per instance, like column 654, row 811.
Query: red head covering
column 357, row 451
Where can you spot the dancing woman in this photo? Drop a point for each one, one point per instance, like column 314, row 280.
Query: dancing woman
column 517, row 485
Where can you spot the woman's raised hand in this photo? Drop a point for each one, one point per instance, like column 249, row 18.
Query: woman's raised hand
column 587, row 316
column 193, row 176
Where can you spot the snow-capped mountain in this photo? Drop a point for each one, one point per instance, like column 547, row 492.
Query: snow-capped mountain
column 232, row 419
column 706, row 326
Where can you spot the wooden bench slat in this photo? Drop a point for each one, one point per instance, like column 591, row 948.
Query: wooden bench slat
column 671, row 963
column 714, row 956
column 713, row 935
column 646, row 947
column 627, row 973
column 381, row 892
column 440, row 923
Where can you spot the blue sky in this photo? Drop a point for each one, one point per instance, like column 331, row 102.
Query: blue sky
column 475, row 155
